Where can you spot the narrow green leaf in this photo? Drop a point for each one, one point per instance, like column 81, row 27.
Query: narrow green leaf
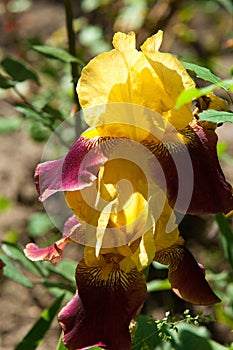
column 65, row 268
column 216, row 116
column 60, row 345
column 36, row 334
column 156, row 285
column 29, row 112
column 226, row 237
column 57, row 53
column 6, row 83
column 187, row 96
column 53, row 112
column 59, row 286
column 227, row 4
column 12, row 272
column 19, row 70
column 15, row 251
column 202, row 72
column 8, row 125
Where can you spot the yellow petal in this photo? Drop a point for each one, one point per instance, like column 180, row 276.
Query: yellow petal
column 171, row 72
column 179, row 118
column 143, row 256
column 119, row 76
column 166, row 231
column 105, row 72
column 175, row 79
column 124, row 42
column 153, row 43
column 91, row 259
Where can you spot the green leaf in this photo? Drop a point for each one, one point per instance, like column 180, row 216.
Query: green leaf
column 36, row 334
column 13, row 273
column 60, row 345
column 156, row 285
column 57, row 53
column 29, row 112
column 15, row 251
column 227, row 4
column 226, row 237
column 8, row 125
column 146, row 334
column 59, row 286
column 39, row 224
column 202, row 72
column 216, row 116
column 53, row 112
column 6, row 83
column 5, row 204
column 221, row 148
column 19, row 70
column 187, row 96
column 65, row 268
column 192, row 338
column 38, row 131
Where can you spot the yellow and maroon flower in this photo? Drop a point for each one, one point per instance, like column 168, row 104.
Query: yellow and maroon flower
column 141, row 162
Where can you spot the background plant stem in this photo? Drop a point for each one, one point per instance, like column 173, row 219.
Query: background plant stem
column 74, row 65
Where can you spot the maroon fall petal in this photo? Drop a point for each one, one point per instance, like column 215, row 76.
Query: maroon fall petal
column 186, row 276
column 53, row 253
column 199, row 186
column 78, row 169
column 103, row 307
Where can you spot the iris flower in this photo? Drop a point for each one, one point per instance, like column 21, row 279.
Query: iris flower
column 140, row 165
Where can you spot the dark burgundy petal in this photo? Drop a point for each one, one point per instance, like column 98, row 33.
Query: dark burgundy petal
column 101, row 311
column 195, row 183
column 77, row 170
column 186, row 276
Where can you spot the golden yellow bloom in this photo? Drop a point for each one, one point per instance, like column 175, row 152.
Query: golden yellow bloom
column 125, row 178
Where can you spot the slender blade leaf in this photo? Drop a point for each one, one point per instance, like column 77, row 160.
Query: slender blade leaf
column 156, row 285
column 12, row 272
column 6, row 83
column 226, row 237
column 35, row 336
column 57, row 53
column 19, row 70
column 8, row 125
column 60, row 345
column 202, row 72
column 15, row 251
column 216, row 116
